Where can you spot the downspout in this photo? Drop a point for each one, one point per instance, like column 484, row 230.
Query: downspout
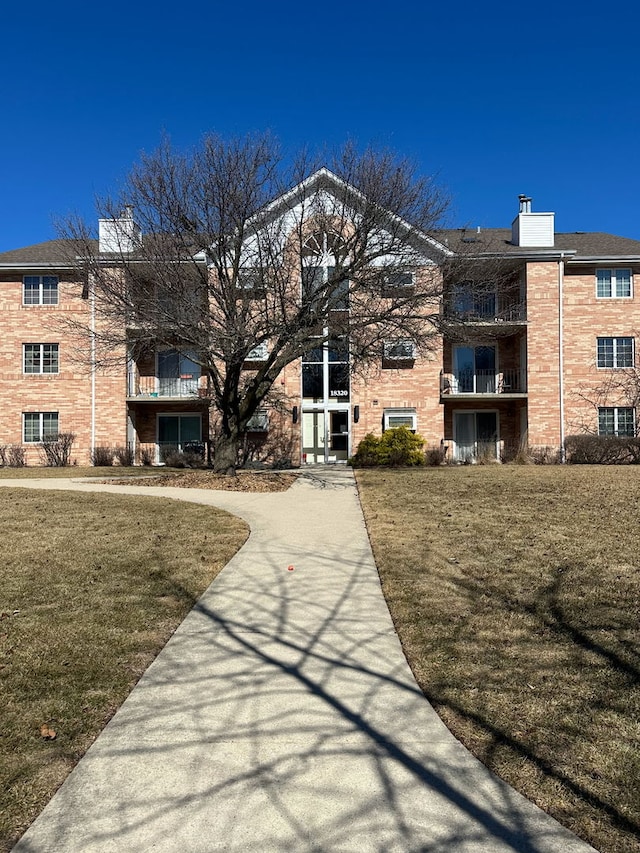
column 92, row 297
column 561, row 353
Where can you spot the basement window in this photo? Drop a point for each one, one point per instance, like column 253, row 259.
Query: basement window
column 407, row 417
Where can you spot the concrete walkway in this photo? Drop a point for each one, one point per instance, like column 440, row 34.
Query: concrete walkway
column 282, row 715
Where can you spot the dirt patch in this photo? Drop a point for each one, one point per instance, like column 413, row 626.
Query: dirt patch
column 244, row 481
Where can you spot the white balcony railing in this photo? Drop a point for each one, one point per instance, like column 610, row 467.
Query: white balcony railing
column 155, row 386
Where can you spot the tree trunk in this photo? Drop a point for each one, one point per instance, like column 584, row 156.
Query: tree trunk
column 225, row 454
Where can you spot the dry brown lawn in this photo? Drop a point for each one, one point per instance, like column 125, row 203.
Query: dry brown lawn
column 91, row 588
column 245, row 481
column 516, row 594
column 73, row 471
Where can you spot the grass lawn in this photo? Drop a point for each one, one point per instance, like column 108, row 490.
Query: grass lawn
column 91, row 587
column 516, row 593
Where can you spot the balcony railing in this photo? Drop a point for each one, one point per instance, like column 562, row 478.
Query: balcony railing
column 152, row 387
column 486, row 311
column 483, row 382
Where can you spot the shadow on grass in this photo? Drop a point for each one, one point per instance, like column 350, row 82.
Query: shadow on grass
column 282, row 717
column 602, row 665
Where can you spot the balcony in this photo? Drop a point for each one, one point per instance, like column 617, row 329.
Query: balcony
column 465, row 383
column 150, row 388
column 486, row 311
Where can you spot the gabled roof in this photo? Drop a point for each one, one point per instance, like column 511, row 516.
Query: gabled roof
column 325, row 179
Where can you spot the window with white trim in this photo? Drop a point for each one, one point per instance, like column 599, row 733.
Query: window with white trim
column 40, row 358
column 40, row 290
column 251, row 281
column 616, row 420
column 36, row 426
column 615, row 352
column 259, row 422
column 399, row 350
column 259, row 353
column 406, row 417
column 397, row 281
column 613, row 283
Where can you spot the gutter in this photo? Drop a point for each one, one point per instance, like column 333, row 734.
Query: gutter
column 605, row 259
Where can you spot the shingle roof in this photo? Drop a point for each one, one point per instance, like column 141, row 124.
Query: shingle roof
column 51, row 252
column 585, row 244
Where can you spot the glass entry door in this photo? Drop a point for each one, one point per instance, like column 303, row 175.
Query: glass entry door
column 325, row 436
column 313, row 437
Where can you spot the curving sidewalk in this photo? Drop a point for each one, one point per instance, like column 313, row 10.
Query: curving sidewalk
column 282, row 715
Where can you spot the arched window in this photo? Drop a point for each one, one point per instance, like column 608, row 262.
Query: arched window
column 324, row 248
column 322, row 253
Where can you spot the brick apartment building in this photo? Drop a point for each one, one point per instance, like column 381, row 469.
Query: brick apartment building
column 526, row 355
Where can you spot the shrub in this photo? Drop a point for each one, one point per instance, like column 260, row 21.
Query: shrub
column 367, row 453
column 146, row 456
column 602, row 450
column 435, row 456
column 16, row 456
column 397, row 447
column 175, row 458
column 3, row 455
column 124, row 455
column 102, row 456
column 56, row 449
column 544, row 455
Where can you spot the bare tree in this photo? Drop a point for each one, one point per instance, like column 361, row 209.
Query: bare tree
column 227, row 248
column 615, row 387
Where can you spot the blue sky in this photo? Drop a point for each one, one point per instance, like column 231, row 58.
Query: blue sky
column 493, row 101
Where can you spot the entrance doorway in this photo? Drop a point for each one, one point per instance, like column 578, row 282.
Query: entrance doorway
column 325, row 436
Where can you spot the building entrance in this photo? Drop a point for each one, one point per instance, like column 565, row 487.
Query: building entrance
column 325, row 436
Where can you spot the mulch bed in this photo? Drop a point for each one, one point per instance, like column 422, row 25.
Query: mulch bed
column 244, row 481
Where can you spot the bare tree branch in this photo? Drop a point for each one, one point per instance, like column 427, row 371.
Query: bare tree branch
column 224, row 248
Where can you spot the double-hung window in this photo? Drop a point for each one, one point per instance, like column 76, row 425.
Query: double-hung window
column 40, row 290
column 613, row 283
column 39, row 425
column 616, row 420
column 615, row 352
column 40, row 358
